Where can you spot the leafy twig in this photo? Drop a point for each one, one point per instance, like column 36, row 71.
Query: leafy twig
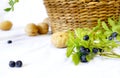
column 11, row 3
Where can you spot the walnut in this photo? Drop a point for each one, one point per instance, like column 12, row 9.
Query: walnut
column 59, row 39
column 43, row 28
column 31, row 29
column 6, row 25
column 46, row 20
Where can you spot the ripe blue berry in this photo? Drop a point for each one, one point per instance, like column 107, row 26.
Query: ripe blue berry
column 12, row 64
column 86, row 37
column 9, row 41
column 110, row 38
column 114, row 34
column 83, row 59
column 95, row 50
column 87, row 50
column 82, row 49
column 18, row 63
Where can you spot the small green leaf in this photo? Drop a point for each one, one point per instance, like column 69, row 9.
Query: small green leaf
column 11, row 2
column 98, row 26
column 118, row 38
column 118, row 21
column 78, row 33
column 104, row 25
column 116, row 29
column 7, row 9
column 111, row 22
column 75, row 58
column 99, row 22
column 69, row 51
column 16, row 0
column 71, row 39
column 95, row 28
column 107, row 33
column 90, row 56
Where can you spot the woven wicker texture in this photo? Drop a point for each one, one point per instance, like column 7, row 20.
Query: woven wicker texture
column 70, row 14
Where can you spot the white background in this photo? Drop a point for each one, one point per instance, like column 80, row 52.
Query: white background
column 40, row 58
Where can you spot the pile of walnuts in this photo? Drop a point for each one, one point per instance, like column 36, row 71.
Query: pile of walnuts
column 41, row 28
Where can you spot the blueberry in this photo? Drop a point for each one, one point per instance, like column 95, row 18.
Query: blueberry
column 12, row 64
column 86, row 37
column 114, row 34
column 87, row 51
column 84, row 51
column 18, row 63
column 110, row 38
column 95, row 50
column 9, row 41
column 83, row 59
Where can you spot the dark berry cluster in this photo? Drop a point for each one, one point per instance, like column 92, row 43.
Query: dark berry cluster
column 113, row 35
column 86, row 51
column 15, row 64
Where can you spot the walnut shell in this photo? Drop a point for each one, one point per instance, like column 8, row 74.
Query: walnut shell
column 31, row 29
column 46, row 20
column 6, row 25
column 43, row 28
column 59, row 39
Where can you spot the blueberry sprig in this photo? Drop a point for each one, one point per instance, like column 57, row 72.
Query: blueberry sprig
column 83, row 46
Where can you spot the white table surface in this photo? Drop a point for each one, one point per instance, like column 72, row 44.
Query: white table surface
column 40, row 58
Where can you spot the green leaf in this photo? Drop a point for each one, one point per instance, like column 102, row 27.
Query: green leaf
column 104, row 25
column 99, row 22
column 75, row 58
column 118, row 21
column 71, row 39
column 16, row 0
column 90, row 56
column 7, row 9
column 118, row 38
column 76, row 42
column 11, row 2
column 111, row 22
column 78, row 33
column 98, row 26
column 116, row 29
column 69, row 51
column 107, row 33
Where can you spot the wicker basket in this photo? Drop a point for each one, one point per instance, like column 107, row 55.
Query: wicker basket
column 70, row 14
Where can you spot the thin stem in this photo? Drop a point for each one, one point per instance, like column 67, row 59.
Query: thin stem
column 110, row 54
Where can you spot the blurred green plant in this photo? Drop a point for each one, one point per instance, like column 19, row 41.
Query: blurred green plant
column 11, row 4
